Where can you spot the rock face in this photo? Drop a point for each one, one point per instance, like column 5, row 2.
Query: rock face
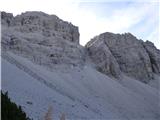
column 49, row 41
column 103, row 58
column 154, row 55
column 44, row 39
column 6, row 18
column 124, row 52
column 48, row 25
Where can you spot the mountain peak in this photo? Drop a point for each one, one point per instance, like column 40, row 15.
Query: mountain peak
column 113, row 53
column 54, row 41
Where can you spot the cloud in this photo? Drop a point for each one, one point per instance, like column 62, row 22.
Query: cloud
column 153, row 36
column 118, row 21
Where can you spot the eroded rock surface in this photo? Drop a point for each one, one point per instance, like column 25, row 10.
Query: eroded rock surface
column 103, row 58
column 44, row 39
column 125, row 52
column 154, row 55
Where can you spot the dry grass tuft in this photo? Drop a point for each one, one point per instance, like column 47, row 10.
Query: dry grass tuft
column 48, row 115
column 62, row 116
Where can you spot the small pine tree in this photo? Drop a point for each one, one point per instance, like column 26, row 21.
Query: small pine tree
column 10, row 111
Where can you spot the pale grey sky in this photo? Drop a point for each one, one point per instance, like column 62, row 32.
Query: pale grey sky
column 140, row 17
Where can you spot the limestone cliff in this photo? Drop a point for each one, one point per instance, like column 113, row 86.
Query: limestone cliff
column 47, row 40
column 42, row 38
column 113, row 53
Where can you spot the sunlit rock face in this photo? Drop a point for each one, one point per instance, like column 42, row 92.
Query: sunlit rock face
column 48, row 25
column 44, row 39
column 102, row 57
column 113, row 53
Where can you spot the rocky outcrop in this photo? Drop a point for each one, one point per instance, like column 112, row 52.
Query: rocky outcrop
column 48, row 25
column 42, row 38
column 6, row 18
column 47, row 40
column 124, row 52
column 103, row 58
column 154, row 55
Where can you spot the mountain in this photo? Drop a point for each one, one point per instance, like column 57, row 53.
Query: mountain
column 114, row 77
column 116, row 53
column 44, row 39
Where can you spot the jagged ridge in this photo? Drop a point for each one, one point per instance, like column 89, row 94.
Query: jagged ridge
column 49, row 41
column 44, row 39
column 80, row 90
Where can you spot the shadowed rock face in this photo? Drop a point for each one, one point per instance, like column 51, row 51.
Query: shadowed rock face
column 154, row 55
column 124, row 52
column 6, row 18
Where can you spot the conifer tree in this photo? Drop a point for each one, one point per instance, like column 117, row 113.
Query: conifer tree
column 9, row 110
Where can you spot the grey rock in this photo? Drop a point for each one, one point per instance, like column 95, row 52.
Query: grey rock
column 126, row 53
column 42, row 38
column 6, row 18
column 154, row 55
column 49, row 41
column 103, row 58
column 32, row 22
